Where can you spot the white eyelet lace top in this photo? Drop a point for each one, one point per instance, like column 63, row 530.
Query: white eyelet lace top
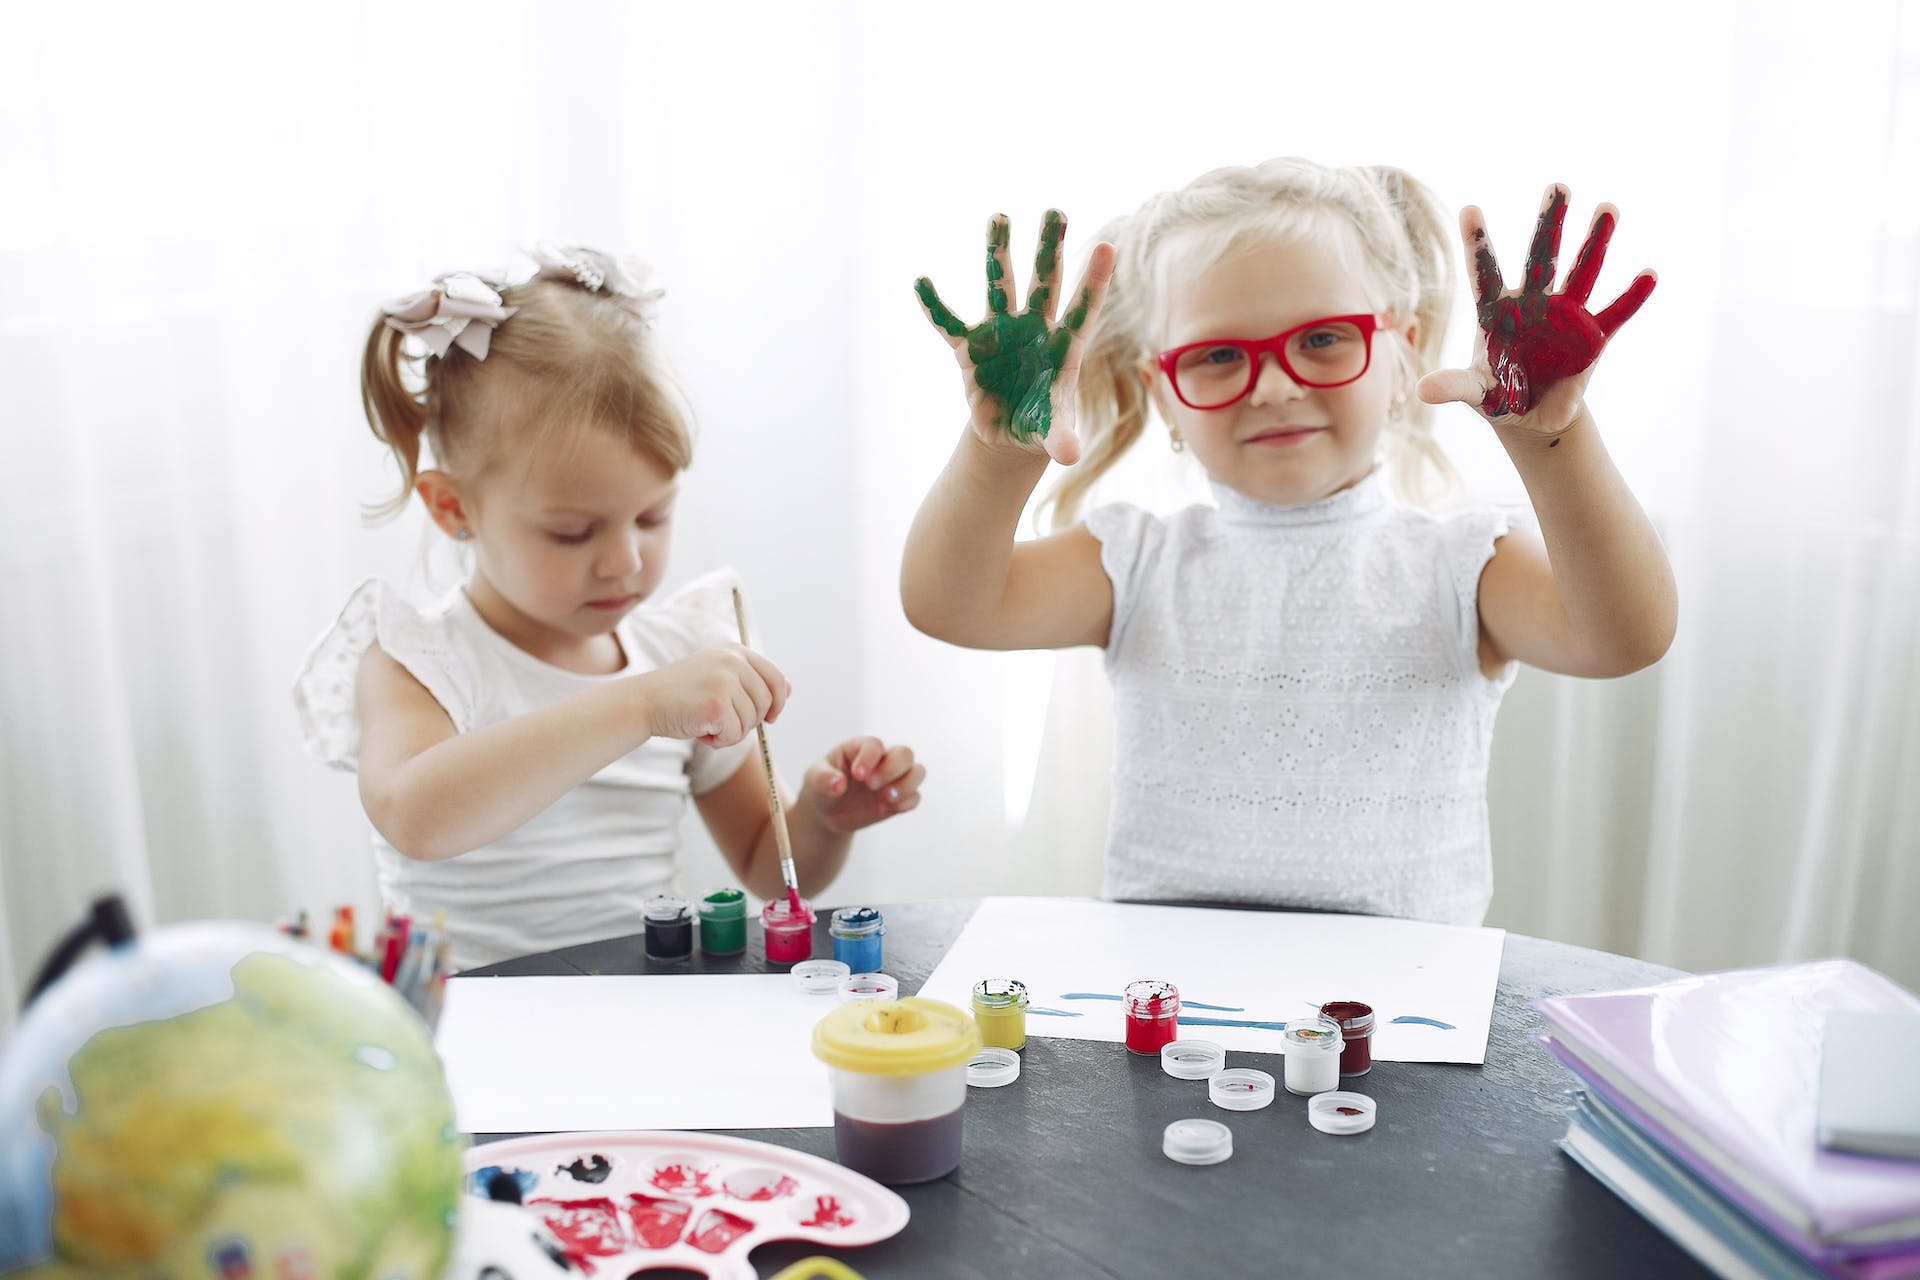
column 1299, row 712
column 578, row 871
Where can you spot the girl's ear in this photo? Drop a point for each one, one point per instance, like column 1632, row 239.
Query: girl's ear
column 437, row 491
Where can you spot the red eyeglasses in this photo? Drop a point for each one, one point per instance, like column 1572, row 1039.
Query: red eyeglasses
column 1329, row 352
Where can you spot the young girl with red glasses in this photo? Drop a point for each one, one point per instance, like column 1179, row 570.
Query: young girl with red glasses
column 526, row 746
column 1306, row 671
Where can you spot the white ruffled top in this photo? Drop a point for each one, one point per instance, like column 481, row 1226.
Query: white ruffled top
column 578, row 871
column 1300, row 717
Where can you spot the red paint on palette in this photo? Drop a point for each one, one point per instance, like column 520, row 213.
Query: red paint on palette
column 682, row 1180
column 718, row 1229
column 591, row 1227
column 656, row 1222
column 827, row 1213
column 760, row 1185
column 1348, row 1111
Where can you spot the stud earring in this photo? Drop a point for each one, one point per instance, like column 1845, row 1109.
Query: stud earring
column 464, row 534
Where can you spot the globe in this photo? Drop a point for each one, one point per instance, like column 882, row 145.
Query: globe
column 218, row 1100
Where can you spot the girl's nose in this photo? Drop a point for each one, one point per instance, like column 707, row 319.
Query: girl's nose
column 622, row 558
column 1272, row 383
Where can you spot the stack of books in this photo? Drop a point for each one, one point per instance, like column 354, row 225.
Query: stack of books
column 1698, row 1106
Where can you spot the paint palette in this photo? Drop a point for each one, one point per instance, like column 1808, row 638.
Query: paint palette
column 621, row 1203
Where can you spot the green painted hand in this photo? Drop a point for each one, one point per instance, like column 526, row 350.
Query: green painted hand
column 1021, row 366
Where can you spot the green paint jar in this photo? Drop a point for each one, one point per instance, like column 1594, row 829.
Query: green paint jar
column 723, row 923
column 1000, row 1007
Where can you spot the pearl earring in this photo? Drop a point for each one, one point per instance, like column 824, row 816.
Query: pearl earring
column 1175, row 442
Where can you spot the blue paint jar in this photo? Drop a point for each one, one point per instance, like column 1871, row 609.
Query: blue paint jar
column 856, row 933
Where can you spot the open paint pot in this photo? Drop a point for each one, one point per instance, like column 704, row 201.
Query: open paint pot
column 899, row 1075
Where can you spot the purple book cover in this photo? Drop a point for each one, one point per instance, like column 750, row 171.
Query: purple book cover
column 1727, row 1067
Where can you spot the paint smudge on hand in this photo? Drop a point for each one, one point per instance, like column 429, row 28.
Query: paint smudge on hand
column 1017, row 356
column 1536, row 337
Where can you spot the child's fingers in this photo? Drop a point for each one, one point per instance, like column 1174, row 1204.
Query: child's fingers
column 1622, row 308
column 825, row 779
column 1593, row 252
column 861, row 756
column 1487, row 283
column 936, row 311
column 1043, row 291
column 1545, row 250
column 894, row 765
column 1444, row 386
column 999, row 264
column 904, row 793
column 769, row 687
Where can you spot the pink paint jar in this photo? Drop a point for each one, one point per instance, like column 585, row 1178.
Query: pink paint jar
column 1356, row 1034
column 789, row 936
column 1153, row 1012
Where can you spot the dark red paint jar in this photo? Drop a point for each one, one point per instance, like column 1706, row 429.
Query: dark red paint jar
column 1356, row 1034
column 1153, row 1013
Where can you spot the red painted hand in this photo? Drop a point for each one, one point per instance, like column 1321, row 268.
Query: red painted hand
column 1534, row 338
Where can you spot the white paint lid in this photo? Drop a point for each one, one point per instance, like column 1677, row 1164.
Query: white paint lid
column 1197, row 1141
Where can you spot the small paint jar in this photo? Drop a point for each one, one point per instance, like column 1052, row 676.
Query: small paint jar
column 669, row 928
column 723, row 922
column 1313, row 1055
column 1356, row 1034
column 856, row 933
column 789, row 936
column 1000, row 1008
column 1153, row 1011
column 898, row 1070
column 869, row 986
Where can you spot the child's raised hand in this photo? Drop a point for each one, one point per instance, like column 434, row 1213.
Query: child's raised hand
column 863, row 781
column 716, row 696
column 1536, row 348
column 1021, row 366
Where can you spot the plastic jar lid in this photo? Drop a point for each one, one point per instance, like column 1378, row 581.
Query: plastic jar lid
column 662, row 906
column 1192, row 1059
column 990, row 1068
column 1241, row 1089
column 1151, row 998
column 817, row 977
column 1197, row 1141
column 868, row 986
column 1314, row 1035
column 724, row 904
column 1340, row 1112
column 856, row 922
column 1000, row 993
column 907, row 1037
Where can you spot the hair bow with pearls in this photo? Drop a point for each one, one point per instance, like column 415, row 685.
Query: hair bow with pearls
column 594, row 271
column 459, row 310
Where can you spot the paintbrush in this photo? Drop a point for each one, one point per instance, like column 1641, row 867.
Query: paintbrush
column 773, row 788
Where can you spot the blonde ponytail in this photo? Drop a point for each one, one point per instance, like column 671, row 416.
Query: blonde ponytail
column 396, row 414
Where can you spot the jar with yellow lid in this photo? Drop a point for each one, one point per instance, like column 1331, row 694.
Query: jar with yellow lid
column 899, row 1074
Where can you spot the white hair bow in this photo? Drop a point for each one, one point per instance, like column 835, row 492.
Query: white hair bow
column 594, row 270
column 460, row 310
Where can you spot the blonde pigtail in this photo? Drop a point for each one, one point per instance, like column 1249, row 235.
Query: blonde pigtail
column 395, row 413
column 1421, row 469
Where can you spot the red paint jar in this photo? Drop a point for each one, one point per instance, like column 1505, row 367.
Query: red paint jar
column 1356, row 1034
column 1153, row 1012
column 789, row 936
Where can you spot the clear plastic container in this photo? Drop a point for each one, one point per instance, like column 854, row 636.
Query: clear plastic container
column 669, row 928
column 723, row 923
column 856, row 934
column 789, row 936
column 1313, row 1055
column 1000, row 1007
column 1153, row 1015
column 1356, row 1034
column 898, row 1070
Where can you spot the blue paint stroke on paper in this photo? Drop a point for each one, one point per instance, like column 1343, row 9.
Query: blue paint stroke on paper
column 1184, row 1002
column 1231, row 1022
column 1406, row 1018
column 1054, row 1013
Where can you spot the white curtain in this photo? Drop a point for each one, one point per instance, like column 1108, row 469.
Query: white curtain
column 200, row 206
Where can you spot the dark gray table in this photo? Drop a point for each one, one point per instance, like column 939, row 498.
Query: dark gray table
column 1062, row 1176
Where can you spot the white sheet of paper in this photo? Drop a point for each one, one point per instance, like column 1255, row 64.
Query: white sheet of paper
column 695, row 1051
column 1262, row 966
